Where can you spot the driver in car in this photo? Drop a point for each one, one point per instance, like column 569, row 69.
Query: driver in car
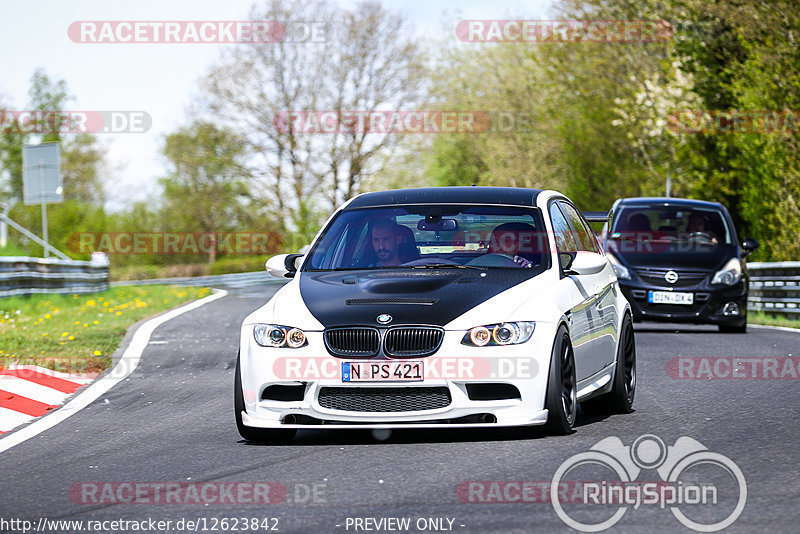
column 386, row 239
column 697, row 225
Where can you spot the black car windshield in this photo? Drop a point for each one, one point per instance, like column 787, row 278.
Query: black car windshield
column 640, row 228
column 433, row 236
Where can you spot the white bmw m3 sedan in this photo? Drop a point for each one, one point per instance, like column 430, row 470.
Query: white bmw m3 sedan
column 439, row 308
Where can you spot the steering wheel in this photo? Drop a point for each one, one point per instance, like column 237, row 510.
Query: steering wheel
column 701, row 236
column 494, row 259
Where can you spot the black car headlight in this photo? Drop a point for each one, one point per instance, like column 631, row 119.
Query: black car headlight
column 620, row 270
column 272, row 335
column 730, row 274
column 499, row 334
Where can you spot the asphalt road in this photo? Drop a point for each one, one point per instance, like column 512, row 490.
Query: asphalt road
column 172, row 422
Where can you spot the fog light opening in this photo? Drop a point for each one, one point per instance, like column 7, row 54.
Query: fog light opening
column 730, row 308
column 290, row 420
column 381, row 434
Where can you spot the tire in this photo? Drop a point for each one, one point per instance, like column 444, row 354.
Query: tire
column 733, row 329
column 249, row 433
column 562, row 387
column 620, row 398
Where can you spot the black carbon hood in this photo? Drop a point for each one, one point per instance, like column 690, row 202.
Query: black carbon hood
column 420, row 297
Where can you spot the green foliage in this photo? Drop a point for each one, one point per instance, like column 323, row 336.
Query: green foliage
column 81, row 155
column 601, row 112
column 455, row 162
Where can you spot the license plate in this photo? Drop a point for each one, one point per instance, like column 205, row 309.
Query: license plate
column 393, row 371
column 670, row 297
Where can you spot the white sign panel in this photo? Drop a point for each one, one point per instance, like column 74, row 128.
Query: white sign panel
column 41, row 173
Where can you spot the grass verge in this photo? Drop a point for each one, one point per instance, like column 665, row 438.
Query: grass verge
column 772, row 320
column 79, row 333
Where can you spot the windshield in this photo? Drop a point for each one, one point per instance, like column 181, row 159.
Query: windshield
column 649, row 228
column 433, row 236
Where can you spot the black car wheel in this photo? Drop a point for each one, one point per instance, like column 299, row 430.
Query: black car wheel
column 623, row 390
column 562, row 386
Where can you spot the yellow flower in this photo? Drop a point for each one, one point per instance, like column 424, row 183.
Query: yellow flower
column 71, row 338
column 47, row 316
column 64, row 334
column 96, row 322
column 56, row 310
column 97, row 353
column 85, row 325
column 74, row 296
column 119, row 313
column 44, row 335
column 77, row 322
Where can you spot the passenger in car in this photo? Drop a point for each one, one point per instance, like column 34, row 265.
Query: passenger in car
column 519, row 240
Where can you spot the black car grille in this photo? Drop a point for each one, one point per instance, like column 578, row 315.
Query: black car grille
column 393, row 399
column 398, row 342
column 410, row 342
column 685, row 278
column 358, row 342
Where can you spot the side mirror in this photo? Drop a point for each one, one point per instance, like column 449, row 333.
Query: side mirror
column 565, row 259
column 284, row 265
column 749, row 245
column 586, row 263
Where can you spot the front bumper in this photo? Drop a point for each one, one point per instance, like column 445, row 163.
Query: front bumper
column 707, row 307
column 524, row 367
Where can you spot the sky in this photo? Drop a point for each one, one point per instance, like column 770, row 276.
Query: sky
column 160, row 79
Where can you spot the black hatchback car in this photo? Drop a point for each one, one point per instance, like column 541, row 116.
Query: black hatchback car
column 679, row 260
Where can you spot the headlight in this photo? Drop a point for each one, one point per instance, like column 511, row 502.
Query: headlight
column 499, row 334
column 271, row 335
column 730, row 274
column 622, row 272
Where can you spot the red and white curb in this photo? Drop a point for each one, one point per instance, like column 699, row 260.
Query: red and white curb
column 30, row 391
column 126, row 364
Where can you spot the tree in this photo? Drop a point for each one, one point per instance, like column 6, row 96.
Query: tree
column 364, row 63
column 205, row 189
column 81, row 156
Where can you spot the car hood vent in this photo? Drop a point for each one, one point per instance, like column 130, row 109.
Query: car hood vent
column 392, row 300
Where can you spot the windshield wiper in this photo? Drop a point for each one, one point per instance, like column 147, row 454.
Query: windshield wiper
column 447, row 266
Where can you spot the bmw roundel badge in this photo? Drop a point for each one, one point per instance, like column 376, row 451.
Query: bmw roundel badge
column 384, row 318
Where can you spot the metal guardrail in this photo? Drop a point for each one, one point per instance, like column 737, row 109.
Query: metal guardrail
column 234, row 280
column 27, row 276
column 774, row 287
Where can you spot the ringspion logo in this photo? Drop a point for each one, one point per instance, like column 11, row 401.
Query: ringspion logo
column 704, row 490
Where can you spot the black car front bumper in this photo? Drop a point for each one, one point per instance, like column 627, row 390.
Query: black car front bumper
column 707, row 308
